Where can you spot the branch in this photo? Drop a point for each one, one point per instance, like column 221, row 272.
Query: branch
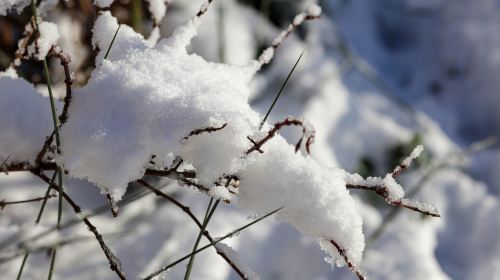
column 187, row 210
column 382, row 191
column 348, row 261
column 65, row 60
column 51, row 166
column 204, row 8
column 307, row 134
column 217, row 240
column 379, row 186
column 114, row 262
column 209, row 129
column 4, row 203
column 268, row 53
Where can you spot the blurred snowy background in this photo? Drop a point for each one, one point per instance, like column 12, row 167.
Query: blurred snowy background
column 377, row 78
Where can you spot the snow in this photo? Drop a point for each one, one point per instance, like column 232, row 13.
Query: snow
column 25, row 118
column 158, row 8
column 394, row 189
column 314, row 10
column 8, row 5
column 145, row 100
column 220, row 192
column 408, row 160
column 49, row 35
column 146, row 81
column 352, row 122
column 314, row 197
column 103, row 3
column 102, row 34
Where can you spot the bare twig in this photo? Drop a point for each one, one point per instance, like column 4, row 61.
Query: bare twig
column 348, row 261
column 268, row 53
column 277, row 126
column 73, row 221
column 65, row 60
column 209, row 129
column 433, row 169
column 45, row 148
column 114, row 262
column 38, row 218
column 112, row 205
column 4, row 203
column 58, row 244
column 204, row 8
column 217, row 240
column 187, row 210
column 382, row 191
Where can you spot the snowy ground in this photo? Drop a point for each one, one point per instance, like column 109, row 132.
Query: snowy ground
column 375, row 80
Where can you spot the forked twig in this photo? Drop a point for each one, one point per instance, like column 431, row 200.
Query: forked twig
column 306, row 133
column 381, row 188
column 382, row 191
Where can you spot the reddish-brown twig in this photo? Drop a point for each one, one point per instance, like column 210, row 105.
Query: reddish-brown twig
column 382, row 191
column 65, row 60
column 114, row 262
column 187, row 210
column 209, row 129
column 308, row 134
column 348, row 261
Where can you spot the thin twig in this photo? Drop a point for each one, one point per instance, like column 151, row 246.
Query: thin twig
column 38, row 218
column 382, row 191
column 277, row 126
column 204, row 8
column 217, row 240
column 473, row 148
column 65, row 60
column 186, row 210
column 114, row 262
column 209, row 129
column 348, row 261
column 4, row 203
